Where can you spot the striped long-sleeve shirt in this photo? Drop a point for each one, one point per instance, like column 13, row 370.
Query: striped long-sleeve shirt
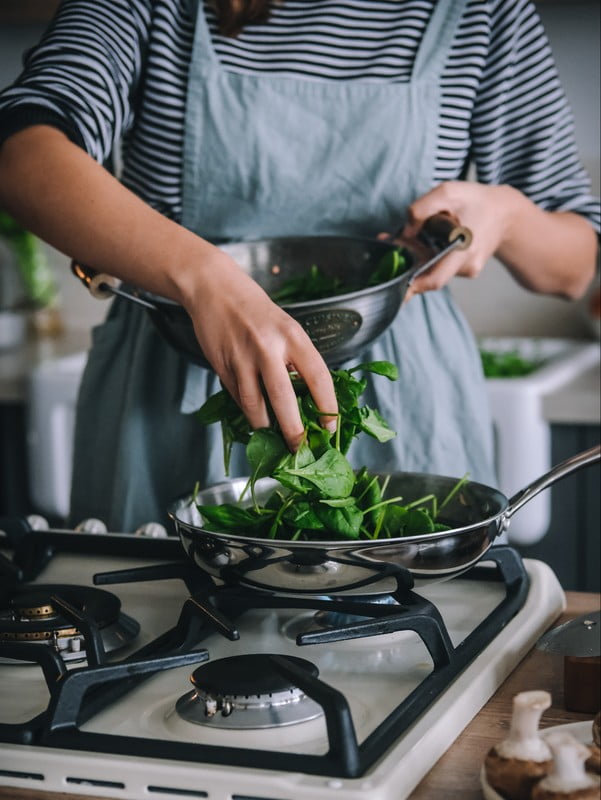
column 114, row 72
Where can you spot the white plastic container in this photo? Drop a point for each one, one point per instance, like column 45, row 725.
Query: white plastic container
column 53, row 388
column 522, row 433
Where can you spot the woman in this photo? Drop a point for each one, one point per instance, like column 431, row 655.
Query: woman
column 243, row 120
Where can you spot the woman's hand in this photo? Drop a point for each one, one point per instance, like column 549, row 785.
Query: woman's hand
column 253, row 345
column 552, row 252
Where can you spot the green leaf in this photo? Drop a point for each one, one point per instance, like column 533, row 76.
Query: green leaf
column 215, row 408
column 302, row 515
column 390, row 265
column 418, row 521
column 339, row 502
column 373, row 423
column 331, row 474
column 384, row 368
column 394, row 520
column 344, row 521
column 367, row 493
column 228, row 517
column 312, row 285
column 264, row 451
column 507, row 365
column 348, row 389
column 285, row 473
column 37, row 277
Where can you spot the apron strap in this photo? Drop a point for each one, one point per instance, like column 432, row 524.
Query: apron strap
column 438, row 37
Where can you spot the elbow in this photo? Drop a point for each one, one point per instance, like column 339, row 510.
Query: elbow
column 577, row 280
column 579, row 284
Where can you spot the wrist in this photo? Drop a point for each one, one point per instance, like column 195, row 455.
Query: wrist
column 196, row 270
column 514, row 208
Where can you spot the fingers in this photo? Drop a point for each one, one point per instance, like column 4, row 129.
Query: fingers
column 247, row 392
column 282, row 397
column 306, row 361
column 262, row 370
column 463, row 263
column 318, row 379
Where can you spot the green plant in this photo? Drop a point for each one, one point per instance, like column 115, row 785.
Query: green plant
column 38, row 281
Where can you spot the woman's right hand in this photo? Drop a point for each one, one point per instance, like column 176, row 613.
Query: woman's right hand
column 253, row 345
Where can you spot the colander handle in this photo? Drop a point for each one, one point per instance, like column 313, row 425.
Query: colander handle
column 439, row 235
column 102, row 286
column 443, row 229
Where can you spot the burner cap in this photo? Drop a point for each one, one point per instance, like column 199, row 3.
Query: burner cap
column 247, row 691
column 246, row 676
column 30, row 613
column 33, row 605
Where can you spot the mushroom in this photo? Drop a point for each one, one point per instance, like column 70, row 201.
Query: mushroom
column 514, row 765
column 567, row 778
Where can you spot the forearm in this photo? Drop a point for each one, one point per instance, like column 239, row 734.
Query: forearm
column 62, row 195
column 550, row 252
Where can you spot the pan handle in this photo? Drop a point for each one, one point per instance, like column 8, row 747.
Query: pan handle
column 558, row 472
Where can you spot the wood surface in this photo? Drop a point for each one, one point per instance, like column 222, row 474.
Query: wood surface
column 455, row 775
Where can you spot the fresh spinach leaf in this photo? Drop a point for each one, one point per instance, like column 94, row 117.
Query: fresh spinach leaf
column 345, row 521
column 331, row 474
column 373, row 423
column 321, row 495
column 264, row 452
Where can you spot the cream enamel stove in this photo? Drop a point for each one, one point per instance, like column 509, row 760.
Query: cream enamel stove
column 226, row 693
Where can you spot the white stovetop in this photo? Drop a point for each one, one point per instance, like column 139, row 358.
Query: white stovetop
column 374, row 674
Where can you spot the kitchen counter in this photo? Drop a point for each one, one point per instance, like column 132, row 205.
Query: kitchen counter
column 16, row 363
column 577, row 403
column 455, row 776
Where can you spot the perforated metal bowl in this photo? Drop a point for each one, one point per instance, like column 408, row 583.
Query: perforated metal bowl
column 340, row 325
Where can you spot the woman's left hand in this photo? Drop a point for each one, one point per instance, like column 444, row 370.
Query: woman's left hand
column 478, row 207
column 546, row 251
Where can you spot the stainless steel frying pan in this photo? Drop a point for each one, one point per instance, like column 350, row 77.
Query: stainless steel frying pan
column 477, row 514
column 338, row 326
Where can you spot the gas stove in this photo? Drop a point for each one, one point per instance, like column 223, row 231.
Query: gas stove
column 126, row 672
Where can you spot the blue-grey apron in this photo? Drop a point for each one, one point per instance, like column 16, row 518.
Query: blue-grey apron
column 272, row 155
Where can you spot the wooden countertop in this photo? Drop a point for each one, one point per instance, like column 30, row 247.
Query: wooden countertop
column 455, row 775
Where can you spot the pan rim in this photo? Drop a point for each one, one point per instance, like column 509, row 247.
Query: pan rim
column 337, row 544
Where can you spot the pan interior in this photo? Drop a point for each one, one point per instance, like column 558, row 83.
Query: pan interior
column 474, row 504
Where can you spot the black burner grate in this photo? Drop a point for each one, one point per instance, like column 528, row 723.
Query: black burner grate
column 77, row 695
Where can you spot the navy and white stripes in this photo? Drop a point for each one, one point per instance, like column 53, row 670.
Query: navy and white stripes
column 116, row 70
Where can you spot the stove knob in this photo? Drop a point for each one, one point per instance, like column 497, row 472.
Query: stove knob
column 37, row 523
column 152, row 530
column 91, row 526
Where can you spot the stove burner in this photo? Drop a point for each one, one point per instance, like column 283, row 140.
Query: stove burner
column 246, row 691
column 30, row 616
